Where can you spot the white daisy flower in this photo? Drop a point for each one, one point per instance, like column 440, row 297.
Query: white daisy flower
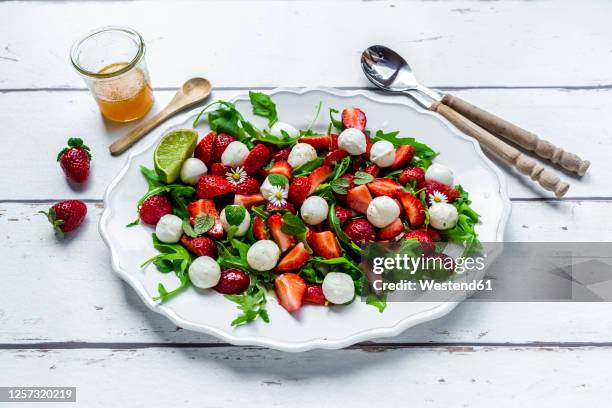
column 437, row 197
column 236, row 176
column 277, row 196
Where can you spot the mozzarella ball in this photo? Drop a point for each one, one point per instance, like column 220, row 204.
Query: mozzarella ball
column 301, row 153
column 382, row 211
column 268, row 190
column 338, row 288
column 278, row 126
column 352, row 141
column 263, row 255
column 192, row 170
column 244, row 225
column 169, row 229
column 234, row 154
column 204, row 272
column 382, row 153
column 439, row 173
column 314, row 210
column 443, row 216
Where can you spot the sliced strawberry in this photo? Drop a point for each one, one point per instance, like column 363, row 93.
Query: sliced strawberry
column 369, row 144
column 314, row 294
column 324, row 244
column 415, row 211
column 354, row 118
column 211, row 185
column 299, row 189
column 260, row 229
column 248, row 186
column 431, row 186
column 203, row 150
column 200, row 246
column 372, row 170
column 206, row 207
column 219, row 145
column 249, row 201
column 343, row 214
column 384, row 187
column 420, row 235
column 403, row 155
column 290, row 289
column 392, row 230
column 282, row 167
column 359, row 198
column 295, row 259
column 319, row 142
column 284, row 241
column 333, row 142
column 434, row 234
column 270, row 207
column 409, row 174
column 360, row 231
column 219, row 169
column 318, row 176
column 282, row 154
column 335, row 156
column 256, row 159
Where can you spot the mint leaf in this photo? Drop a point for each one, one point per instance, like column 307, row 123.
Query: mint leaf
column 340, row 186
column 278, row 180
column 293, row 225
column 234, row 214
column 264, row 106
column 188, row 229
column 361, row 177
column 202, row 223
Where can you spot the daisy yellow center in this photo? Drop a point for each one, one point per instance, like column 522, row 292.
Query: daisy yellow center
column 437, row 199
column 278, row 195
column 236, row 176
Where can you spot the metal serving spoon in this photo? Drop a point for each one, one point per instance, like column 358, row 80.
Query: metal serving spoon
column 192, row 92
column 389, row 71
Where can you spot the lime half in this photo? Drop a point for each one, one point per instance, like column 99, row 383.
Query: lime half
column 173, row 149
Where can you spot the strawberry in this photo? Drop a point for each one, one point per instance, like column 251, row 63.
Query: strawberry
column 343, row 214
column 295, row 259
column 335, row 156
column 360, row 231
column 324, row 244
column 415, row 211
column 256, row 159
column 392, row 230
column 74, row 160
column 403, row 155
column 232, row 282
column 270, row 207
column 206, row 207
column 433, row 233
column 358, row 163
column 153, row 208
column 409, row 174
column 314, row 294
column 290, row 289
column 420, row 235
column 354, row 118
column 219, row 145
column 282, row 154
column 430, row 186
column 369, row 144
column 248, row 186
column 444, row 261
column 372, row 169
column 299, row 189
column 320, row 142
column 260, row 229
column 203, row 150
column 318, row 176
column 249, row 201
column 358, row 199
column 333, row 142
column 200, row 246
column 284, row 241
column 384, row 186
column 282, row 167
column 219, row 169
column 66, row 215
column 211, row 185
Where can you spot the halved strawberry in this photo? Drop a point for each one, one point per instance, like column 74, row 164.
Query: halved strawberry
column 271, row 207
column 319, row 142
column 392, row 230
column 295, row 259
column 372, row 170
column 249, row 201
column 369, row 144
column 420, row 235
column 415, row 211
column 211, row 185
column 343, row 214
column 333, row 142
column 324, row 244
column 314, row 294
column 200, row 246
column 409, row 174
column 430, row 186
column 318, row 176
column 282, row 167
column 354, row 118
column 384, row 186
column 219, row 169
column 299, row 189
column 248, row 186
column 335, row 156
column 203, row 150
column 203, row 206
column 433, row 233
column 282, row 154
column 260, row 229
column 290, row 288
column 360, row 231
column 358, row 199
column 219, row 145
column 284, row 241
column 403, row 155
column 256, row 159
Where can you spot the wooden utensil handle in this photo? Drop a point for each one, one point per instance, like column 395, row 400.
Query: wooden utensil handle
column 549, row 181
column 124, row 142
column 518, row 135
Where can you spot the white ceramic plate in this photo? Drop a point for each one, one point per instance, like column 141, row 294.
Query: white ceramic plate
column 312, row 327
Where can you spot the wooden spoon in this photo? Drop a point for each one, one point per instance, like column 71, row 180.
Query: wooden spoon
column 192, row 92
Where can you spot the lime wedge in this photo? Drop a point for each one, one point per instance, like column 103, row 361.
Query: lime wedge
column 173, row 149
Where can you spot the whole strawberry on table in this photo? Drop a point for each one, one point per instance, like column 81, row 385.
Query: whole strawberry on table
column 245, row 210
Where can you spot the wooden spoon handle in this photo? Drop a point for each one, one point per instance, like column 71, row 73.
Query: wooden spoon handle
column 124, row 142
column 518, row 135
column 549, row 181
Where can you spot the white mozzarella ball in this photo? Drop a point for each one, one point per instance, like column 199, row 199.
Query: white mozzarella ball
column 338, row 288
column 439, row 173
column 244, row 225
column 269, row 191
column 300, row 154
column 263, row 255
column 234, row 154
column 382, row 153
column 169, row 229
column 204, row 272
column 278, row 126
column 192, row 170
column 382, row 211
column 352, row 141
column 443, row 216
column 314, row 210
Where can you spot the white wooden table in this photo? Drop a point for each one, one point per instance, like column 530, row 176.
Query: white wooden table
column 66, row 319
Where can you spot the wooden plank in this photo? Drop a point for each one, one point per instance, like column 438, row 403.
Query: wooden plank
column 40, row 122
column 459, row 43
column 228, row 377
column 73, row 295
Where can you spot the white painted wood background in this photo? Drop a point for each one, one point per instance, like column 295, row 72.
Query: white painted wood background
column 65, row 319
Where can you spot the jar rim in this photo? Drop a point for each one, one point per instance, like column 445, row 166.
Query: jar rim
column 137, row 57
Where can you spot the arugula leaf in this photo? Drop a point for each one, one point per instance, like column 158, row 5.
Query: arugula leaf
column 342, row 261
column 464, row 232
column 361, row 177
column 307, row 168
column 252, row 304
column 335, row 122
column 278, row 180
column 423, row 153
column 334, row 222
column 152, row 177
column 378, row 302
column 308, row 132
column 234, row 214
column 341, row 167
column 264, row 106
